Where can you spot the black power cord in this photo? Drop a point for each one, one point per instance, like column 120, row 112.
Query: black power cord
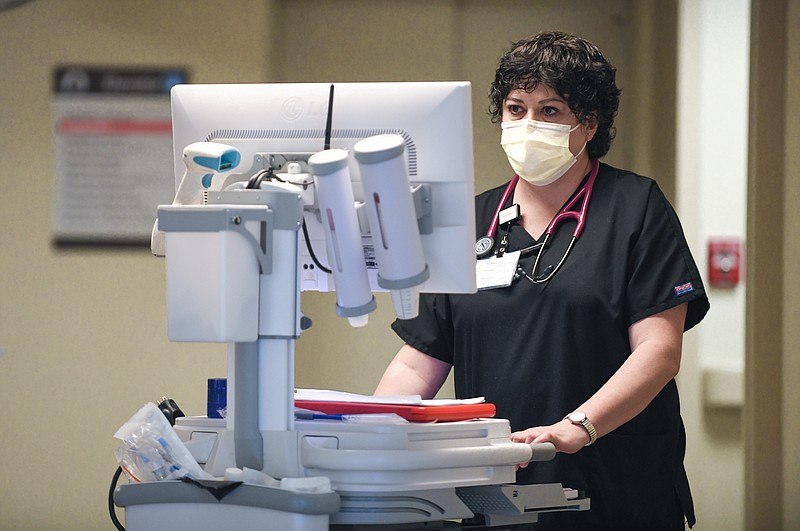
column 311, row 250
column 111, row 510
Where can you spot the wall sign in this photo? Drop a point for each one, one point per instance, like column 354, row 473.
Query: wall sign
column 113, row 152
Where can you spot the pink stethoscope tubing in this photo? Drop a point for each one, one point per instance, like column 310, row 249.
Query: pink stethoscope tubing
column 585, row 191
column 506, row 194
column 580, row 216
column 567, row 212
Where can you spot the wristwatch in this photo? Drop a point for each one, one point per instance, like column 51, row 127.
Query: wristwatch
column 579, row 418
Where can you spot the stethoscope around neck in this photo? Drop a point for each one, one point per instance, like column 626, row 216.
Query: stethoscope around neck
column 485, row 244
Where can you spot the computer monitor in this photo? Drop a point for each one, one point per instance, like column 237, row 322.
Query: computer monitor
column 277, row 123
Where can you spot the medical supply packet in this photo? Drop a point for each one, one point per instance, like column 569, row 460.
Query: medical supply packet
column 151, row 450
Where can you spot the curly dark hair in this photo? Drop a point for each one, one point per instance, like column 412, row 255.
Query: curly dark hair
column 574, row 68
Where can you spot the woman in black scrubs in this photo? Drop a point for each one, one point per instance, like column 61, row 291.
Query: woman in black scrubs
column 581, row 346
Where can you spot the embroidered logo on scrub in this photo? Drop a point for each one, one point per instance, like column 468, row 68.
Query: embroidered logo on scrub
column 683, row 289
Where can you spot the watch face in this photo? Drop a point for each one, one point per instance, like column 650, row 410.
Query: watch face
column 576, row 416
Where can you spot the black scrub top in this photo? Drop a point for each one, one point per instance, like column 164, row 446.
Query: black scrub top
column 538, row 351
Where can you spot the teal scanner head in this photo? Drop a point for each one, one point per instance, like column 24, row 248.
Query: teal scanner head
column 226, row 160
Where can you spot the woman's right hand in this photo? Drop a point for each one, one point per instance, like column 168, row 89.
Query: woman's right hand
column 567, row 437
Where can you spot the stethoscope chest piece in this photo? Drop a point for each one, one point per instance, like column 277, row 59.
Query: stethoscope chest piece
column 484, row 246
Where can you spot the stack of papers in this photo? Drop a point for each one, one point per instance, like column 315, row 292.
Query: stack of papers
column 325, row 395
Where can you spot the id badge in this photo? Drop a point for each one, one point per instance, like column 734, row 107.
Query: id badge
column 497, row 272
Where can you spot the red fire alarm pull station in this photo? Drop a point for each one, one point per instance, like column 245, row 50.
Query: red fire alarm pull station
column 724, row 262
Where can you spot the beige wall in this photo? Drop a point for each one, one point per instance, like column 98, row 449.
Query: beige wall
column 712, row 105
column 790, row 373
column 82, row 331
column 772, row 466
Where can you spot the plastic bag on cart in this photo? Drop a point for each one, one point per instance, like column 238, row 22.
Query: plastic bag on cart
column 150, row 449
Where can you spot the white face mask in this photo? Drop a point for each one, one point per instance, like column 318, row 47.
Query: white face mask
column 538, row 151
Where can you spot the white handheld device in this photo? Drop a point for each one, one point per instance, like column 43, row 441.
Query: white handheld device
column 204, row 161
